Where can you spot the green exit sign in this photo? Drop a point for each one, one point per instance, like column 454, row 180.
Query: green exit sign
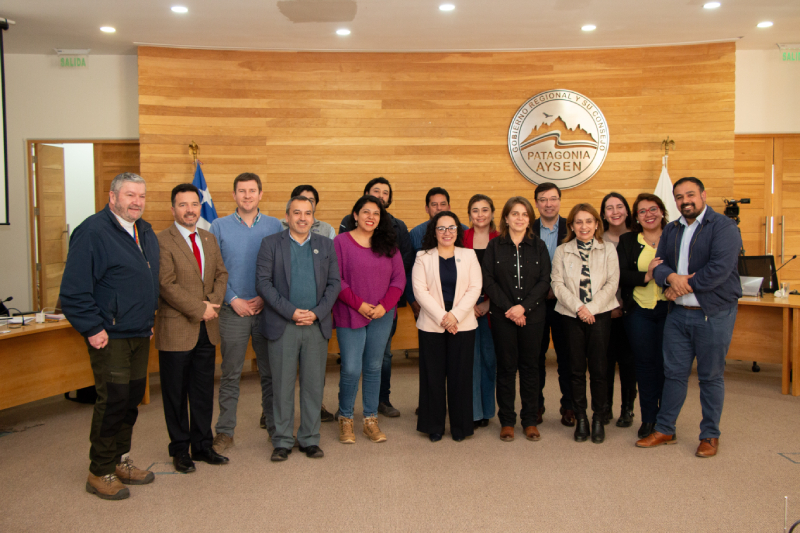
column 70, row 62
column 791, row 56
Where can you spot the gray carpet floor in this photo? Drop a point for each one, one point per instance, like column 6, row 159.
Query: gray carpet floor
column 411, row 484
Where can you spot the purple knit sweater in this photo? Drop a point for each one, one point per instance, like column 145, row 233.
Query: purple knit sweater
column 367, row 278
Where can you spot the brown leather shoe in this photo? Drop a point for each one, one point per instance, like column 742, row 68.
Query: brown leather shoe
column 107, row 487
column 531, row 433
column 707, row 448
column 568, row 417
column 656, row 439
column 507, row 433
column 130, row 475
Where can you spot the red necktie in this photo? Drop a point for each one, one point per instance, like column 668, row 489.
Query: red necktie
column 196, row 251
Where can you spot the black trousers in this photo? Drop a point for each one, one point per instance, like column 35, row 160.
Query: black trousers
column 554, row 326
column 187, row 379
column 620, row 352
column 516, row 349
column 445, row 382
column 588, row 344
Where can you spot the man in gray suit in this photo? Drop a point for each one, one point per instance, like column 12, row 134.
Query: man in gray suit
column 297, row 276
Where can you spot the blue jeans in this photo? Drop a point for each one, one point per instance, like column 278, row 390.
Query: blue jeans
column 386, row 368
column 484, row 372
column 688, row 334
column 645, row 329
column 362, row 352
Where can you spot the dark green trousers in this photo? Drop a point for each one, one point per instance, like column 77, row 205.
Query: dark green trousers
column 120, row 376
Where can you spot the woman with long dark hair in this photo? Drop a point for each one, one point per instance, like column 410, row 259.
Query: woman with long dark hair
column 373, row 280
column 447, row 283
column 617, row 218
column 484, row 365
column 585, row 278
column 644, row 303
column 516, row 278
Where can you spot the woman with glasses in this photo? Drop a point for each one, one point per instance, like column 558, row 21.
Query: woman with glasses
column 585, row 278
column 617, row 222
column 373, row 279
column 644, row 302
column 447, row 283
column 516, row 278
column 484, row 366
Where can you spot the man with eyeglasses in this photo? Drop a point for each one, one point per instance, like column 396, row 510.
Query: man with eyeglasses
column 552, row 229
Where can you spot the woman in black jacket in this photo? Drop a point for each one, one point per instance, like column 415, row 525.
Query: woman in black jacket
column 644, row 303
column 516, row 278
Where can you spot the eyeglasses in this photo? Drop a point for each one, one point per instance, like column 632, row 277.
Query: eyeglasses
column 443, row 229
column 653, row 210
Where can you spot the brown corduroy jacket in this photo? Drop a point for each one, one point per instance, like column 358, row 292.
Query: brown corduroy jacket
column 183, row 293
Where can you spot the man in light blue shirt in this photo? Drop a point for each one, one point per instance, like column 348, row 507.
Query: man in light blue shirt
column 239, row 236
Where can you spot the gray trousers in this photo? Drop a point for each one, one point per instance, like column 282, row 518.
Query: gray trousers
column 304, row 345
column 235, row 332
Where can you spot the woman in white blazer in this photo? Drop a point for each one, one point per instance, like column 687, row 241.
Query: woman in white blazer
column 584, row 279
column 447, row 282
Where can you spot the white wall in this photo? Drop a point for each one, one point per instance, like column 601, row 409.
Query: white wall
column 78, row 183
column 45, row 101
column 766, row 92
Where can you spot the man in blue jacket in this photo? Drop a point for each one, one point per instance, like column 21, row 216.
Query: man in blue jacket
column 699, row 275
column 109, row 293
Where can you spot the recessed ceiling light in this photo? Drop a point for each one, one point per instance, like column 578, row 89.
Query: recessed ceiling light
column 711, row 5
column 180, row 9
column 589, row 27
column 342, row 31
column 108, row 29
column 765, row 24
column 446, row 7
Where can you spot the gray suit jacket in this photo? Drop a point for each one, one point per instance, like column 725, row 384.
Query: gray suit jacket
column 273, row 280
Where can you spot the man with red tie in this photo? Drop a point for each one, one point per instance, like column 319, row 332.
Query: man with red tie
column 192, row 282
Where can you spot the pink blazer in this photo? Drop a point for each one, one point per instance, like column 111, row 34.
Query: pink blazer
column 428, row 290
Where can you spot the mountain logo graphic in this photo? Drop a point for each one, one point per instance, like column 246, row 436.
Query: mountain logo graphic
column 558, row 136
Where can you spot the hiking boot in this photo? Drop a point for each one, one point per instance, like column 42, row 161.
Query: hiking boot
column 346, row 433
column 325, row 415
column 221, row 443
column 387, row 409
column 130, row 475
column 107, row 487
column 372, row 430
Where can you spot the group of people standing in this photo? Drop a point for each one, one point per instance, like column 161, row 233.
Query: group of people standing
column 486, row 298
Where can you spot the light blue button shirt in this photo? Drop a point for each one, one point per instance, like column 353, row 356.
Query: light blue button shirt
column 683, row 259
column 185, row 234
column 550, row 237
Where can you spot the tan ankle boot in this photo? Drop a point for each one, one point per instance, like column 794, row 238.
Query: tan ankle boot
column 107, row 487
column 372, row 430
column 346, row 433
column 130, row 475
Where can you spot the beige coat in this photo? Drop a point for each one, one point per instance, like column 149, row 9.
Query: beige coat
column 428, row 290
column 565, row 278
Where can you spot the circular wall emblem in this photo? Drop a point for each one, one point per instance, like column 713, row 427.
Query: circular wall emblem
column 558, row 136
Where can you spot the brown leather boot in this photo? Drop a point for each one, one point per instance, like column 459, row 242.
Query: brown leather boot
column 130, row 475
column 507, row 433
column 107, row 487
column 531, row 433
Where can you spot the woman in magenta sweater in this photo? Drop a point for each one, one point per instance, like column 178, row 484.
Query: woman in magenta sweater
column 373, row 280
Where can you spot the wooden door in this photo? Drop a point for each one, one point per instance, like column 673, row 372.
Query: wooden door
column 787, row 207
column 51, row 220
column 112, row 158
column 752, row 170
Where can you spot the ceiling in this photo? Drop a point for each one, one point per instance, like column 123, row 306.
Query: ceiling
column 392, row 25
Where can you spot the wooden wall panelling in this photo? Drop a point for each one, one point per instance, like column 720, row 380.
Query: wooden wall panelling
column 112, row 158
column 787, row 175
column 336, row 120
column 753, row 179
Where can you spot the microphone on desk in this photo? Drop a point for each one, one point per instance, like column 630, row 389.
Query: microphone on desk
column 786, row 263
column 3, row 309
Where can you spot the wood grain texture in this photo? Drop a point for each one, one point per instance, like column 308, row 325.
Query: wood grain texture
column 337, row 120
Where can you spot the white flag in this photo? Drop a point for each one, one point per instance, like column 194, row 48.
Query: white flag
column 664, row 191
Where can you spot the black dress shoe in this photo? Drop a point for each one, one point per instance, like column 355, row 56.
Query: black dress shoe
column 210, row 456
column 183, row 463
column 313, row 451
column 647, row 428
column 280, row 454
column 458, row 439
column 598, row 431
column 582, row 429
column 435, row 437
column 484, row 422
column 476, row 424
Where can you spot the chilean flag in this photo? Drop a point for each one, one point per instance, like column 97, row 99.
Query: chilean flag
column 207, row 211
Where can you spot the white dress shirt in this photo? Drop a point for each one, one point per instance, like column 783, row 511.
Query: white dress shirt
column 683, row 259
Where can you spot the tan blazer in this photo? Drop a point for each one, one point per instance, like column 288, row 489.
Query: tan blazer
column 428, row 290
column 565, row 278
column 182, row 292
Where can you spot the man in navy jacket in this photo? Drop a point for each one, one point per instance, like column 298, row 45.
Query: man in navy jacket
column 699, row 274
column 109, row 293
